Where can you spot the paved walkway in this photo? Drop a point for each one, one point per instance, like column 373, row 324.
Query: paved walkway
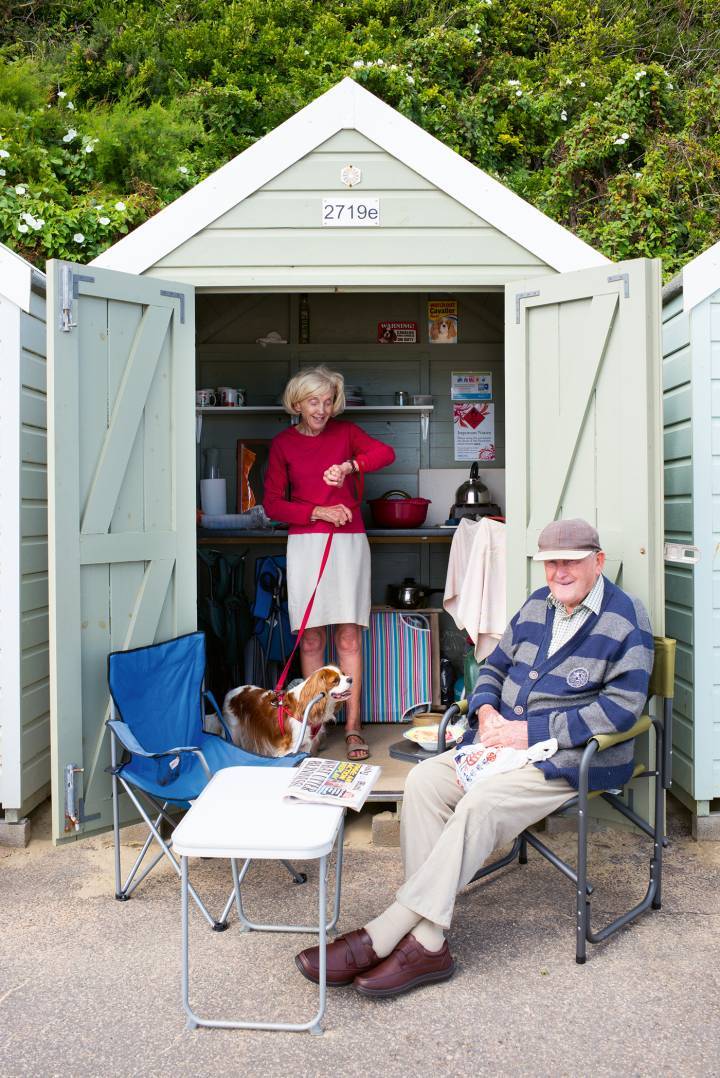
column 90, row 986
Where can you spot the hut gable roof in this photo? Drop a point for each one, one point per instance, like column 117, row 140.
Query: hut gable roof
column 349, row 105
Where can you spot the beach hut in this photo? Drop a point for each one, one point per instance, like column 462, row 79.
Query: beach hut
column 691, row 406
column 344, row 220
column 24, row 692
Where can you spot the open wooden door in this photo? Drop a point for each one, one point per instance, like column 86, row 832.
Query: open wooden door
column 584, row 427
column 584, row 421
column 121, row 485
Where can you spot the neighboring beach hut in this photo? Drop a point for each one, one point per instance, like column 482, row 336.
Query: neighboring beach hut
column 345, row 218
column 691, row 391
column 24, row 692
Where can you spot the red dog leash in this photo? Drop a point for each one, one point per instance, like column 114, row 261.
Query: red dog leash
column 301, row 630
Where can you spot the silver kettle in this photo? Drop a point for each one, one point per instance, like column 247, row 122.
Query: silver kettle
column 473, row 491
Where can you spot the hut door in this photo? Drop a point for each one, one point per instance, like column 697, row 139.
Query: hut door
column 121, row 479
column 583, row 417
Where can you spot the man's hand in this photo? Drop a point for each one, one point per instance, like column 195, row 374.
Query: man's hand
column 504, row 734
column 488, row 719
column 333, row 514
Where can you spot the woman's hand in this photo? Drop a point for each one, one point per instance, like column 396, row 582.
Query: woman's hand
column 335, row 474
column 332, row 514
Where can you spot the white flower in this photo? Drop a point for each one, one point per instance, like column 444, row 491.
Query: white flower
column 4, row 153
column 563, row 115
column 513, row 82
column 70, row 106
column 2, row 172
column 20, row 190
column 70, row 135
column 638, row 175
column 79, row 238
column 619, row 142
column 357, row 64
column 22, row 228
column 582, row 83
column 27, row 218
column 640, row 75
column 37, row 225
column 625, row 135
column 182, row 168
column 410, row 79
column 518, row 93
column 61, row 93
column 380, row 63
column 103, row 220
column 568, row 82
column 120, row 206
column 670, row 86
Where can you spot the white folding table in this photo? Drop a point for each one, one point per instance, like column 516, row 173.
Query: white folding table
column 242, row 815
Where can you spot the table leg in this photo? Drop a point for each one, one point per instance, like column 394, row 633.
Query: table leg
column 191, row 1021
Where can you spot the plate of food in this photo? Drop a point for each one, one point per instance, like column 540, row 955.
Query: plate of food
column 427, row 736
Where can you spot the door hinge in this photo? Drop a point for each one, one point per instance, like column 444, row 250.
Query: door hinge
column 625, row 278
column 70, row 290
column 74, row 804
column 176, row 295
column 519, row 297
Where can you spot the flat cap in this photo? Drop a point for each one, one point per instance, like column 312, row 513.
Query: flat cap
column 568, row 540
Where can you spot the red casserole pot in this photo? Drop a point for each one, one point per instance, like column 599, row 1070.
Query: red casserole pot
column 396, row 509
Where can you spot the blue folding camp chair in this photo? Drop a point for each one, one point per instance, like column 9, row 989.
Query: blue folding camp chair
column 156, row 716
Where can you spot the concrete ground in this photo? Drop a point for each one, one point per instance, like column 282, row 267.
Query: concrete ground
column 91, row 986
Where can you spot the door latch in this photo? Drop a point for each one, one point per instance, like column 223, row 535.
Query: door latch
column 72, row 797
column 74, row 803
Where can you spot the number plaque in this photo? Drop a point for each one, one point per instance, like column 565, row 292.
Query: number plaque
column 350, row 212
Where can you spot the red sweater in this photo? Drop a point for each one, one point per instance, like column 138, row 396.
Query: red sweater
column 294, row 477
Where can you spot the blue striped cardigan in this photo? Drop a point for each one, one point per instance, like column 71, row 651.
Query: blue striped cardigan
column 597, row 683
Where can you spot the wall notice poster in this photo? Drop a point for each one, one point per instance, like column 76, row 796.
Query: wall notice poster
column 442, row 321
column 471, row 386
column 474, row 430
column 397, row 333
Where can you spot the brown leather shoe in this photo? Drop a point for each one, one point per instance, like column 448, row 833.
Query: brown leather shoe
column 408, row 966
column 347, row 956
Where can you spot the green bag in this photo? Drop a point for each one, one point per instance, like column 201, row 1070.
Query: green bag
column 471, row 671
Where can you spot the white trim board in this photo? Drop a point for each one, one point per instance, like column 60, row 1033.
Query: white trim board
column 701, row 277
column 10, row 690
column 15, row 278
column 349, row 106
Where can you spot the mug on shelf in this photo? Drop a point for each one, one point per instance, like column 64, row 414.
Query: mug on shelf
column 242, row 397
column 205, row 398
column 227, row 397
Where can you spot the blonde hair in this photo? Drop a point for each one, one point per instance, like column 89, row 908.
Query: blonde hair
column 314, row 380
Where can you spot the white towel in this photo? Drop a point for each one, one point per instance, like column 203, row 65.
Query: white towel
column 475, row 583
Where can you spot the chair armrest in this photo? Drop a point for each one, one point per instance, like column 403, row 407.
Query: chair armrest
column 605, row 741
column 460, row 707
column 128, row 740
column 306, row 716
column 209, row 696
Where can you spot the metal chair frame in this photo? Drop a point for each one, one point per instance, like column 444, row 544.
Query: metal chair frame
column 661, row 691
column 123, row 891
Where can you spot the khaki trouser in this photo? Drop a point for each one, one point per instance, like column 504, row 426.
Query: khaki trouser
column 446, row 835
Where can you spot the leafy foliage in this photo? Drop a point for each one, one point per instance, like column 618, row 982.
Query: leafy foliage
column 603, row 114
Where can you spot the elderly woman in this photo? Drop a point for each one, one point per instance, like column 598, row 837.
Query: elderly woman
column 313, row 484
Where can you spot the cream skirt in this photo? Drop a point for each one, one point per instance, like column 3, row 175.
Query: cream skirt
column 344, row 593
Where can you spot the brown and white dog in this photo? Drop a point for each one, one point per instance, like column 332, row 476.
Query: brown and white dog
column 251, row 713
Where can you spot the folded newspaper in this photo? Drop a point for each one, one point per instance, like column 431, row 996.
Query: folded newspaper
column 333, row 782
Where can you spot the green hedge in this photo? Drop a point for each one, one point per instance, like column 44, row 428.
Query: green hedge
column 602, row 115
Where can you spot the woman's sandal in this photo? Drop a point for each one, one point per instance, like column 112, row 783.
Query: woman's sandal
column 359, row 751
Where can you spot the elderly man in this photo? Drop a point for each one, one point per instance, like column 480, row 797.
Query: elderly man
column 574, row 661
